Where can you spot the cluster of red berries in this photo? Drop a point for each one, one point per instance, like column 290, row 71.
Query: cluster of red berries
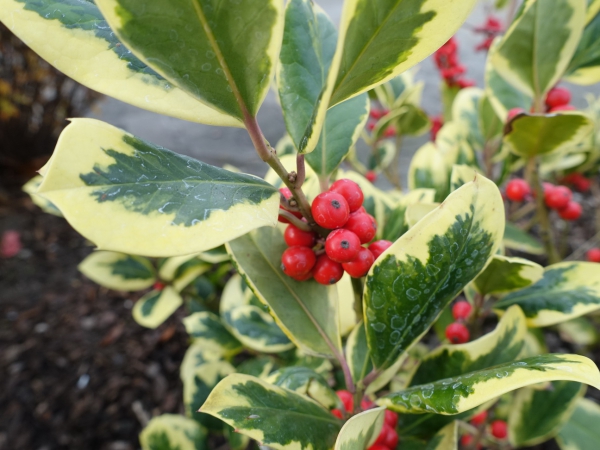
column 388, row 437
column 491, row 29
column 558, row 99
column 498, row 429
column 578, row 181
column 446, row 60
column 559, row 198
column 339, row 209
column 457, row 332
column 374, row 115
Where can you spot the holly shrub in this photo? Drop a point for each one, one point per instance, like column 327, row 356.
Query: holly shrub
column 339, row 328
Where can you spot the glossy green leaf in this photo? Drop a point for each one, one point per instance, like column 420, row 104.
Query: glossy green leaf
column 205, row 327
column 127, row 195
column 581, row 432
column 505, row 274
column 342, row 128
column 274, row 416
column 533, row 55
column 306, row 311
column 97, row 59
column 223, row 56
column 173, row 432
column 517, row 239
column 305, row 381
column 417, row 277
column 155, row 307
column 361, row 430
column 585, row 64
column 567, row 290
column 539, row 135
column 428, row 169
column 457, row 394
column 538, row 415
column 118, row 271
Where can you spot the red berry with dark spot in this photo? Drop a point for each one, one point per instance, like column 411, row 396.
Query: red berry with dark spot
column 563, row 108
column 347, row 399
column 363, row 225
column 337, row 413
column 572, row 211
column 457, row 333
column 350, row 191
column 330, row 210
column 517, row 190
column 558, row 197
column 287, row 194
column 378, row 247
column 499, row 429
column 593, row 255
column 371, row 176
column 327, row 271
column 297, row 261
column 479, row 419
column 159, row 286
column 558, row 97
column 391, row 418
column 295, row 236
column 514, row 113
column 360, row 265
column 461, row 310
column 342, row 245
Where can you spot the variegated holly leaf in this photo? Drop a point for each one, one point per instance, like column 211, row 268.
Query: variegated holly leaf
column 445, row 439
column 578, row 331
column 466, row 112
column 464, row 392
column 528, row 136
column 581, row 432
column 361, row 430
column 168, row 267
column 505, row 274
column 173, row 432
column 127, row 195
column 236, row 440
column 156, row 306
column 346, row 300
column 188, row 272
column 517, row 239
column 205, row 328
column 274, row 416
column 395, row 212
column 31, row 188
column 415, row 212
column 538, row 415
column 382, row 155
column 585, row 64
column 418, row 276
column 306, row 311
column 197, row 355
column 357, row 353
column 118, row 271
column 96, row 58
column 567, row 290
column 222, row 56
column 307, row 382
column 429, row 170
column 260, row 367
column 460, row 175
column 533, row 56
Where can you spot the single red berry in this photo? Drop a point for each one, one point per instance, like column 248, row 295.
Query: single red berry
column 391, row 418
column 366, row 403
column 457, row 333
column 467, row 439
column 342, row 245
column 350, row 191
column 517, row 190
column 306, row 277
column 337, row 413
column 360, row 265
column 583, row 184
column 558, row 197
column 514, row 113
column 371, row 176
column 297, row 261
column 572, row 211
column 593, row 255
column 436, row 125
column 330, row 210
column 479, row 419
column 159, row 286
column 347, row 399
column 363, row 225
column 391, row 438
column 563, row 108
column 287, row 194
column 327, row 271
column 378, row 447
column 382, row 438
column 390, row 131
column 499, row 429
column 378, row 247
column 295, row 236
column 461, row 310
column 558, row 97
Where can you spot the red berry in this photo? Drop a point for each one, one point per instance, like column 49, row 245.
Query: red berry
column 350, row 191
column 295, row 236
column 563, row 108
column 479, row 419
column 378, row 447
column 457, row 333
column 378, row 247
column 593, row 255
column 327, row 271
column 363, row 225
column 382, row 438
column 347, row 399
column 583, row 184
column 366, row 403
column 572, row 211
column 360, row 265
column 499, row 429
column 306, row 277
column 436, row 124
column 371, row 126
column 558, row 97
column 159, row 286
column 391, row 438
column 391, row 418
column 330, row 210
column 467, row 439
column 337, row 413
column 371, row 176
column 287, row 194
column 514, row 113
column 342, row 245
column 297, row 261
column 461, row 310
column 558, row 197
column 390, row 131
column 517, row 190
